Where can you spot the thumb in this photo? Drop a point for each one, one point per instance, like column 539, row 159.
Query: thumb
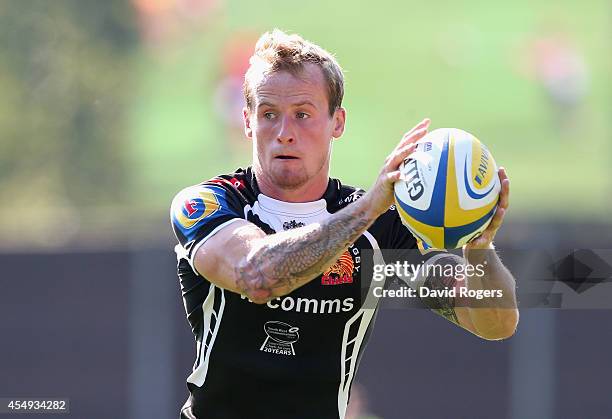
column 395, row 176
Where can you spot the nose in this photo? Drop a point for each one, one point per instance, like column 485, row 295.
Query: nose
column 286, row 134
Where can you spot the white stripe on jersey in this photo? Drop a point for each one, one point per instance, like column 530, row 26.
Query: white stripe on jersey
column 364, row 316
column 198, row 376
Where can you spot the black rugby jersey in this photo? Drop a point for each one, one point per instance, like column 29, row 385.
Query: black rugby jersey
column 296, row 356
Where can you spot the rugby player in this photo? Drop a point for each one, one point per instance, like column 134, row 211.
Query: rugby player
column 269, row 256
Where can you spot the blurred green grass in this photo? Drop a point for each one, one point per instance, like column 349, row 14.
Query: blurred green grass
column 455, row 62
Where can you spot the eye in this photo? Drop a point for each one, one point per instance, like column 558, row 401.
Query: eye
column 268, row 115
column 302, row 115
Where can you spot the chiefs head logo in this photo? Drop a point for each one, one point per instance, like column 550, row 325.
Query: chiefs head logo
column 341, row 272
column 194, row 207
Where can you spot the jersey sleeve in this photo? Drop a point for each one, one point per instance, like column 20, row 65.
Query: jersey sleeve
column 198, row 212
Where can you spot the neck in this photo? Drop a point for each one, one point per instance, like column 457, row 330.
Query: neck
column 312, row 190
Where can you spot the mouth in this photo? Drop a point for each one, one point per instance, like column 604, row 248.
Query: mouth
column 286, row 157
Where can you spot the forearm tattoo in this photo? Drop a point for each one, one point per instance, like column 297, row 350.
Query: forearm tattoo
column 294, row 257
column 444, row 305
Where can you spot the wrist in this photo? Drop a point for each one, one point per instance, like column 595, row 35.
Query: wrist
column 477, row 255
column 369, row 210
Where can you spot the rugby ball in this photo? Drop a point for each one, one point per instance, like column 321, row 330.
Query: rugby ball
column 450, row 189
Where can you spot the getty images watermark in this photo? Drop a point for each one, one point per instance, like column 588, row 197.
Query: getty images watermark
column 546, row 278
column 419, row 277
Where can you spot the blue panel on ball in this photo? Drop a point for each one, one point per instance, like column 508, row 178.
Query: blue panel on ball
column 434, row 216
column 452, row 235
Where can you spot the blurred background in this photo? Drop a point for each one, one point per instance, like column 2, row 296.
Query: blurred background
column 109, row 108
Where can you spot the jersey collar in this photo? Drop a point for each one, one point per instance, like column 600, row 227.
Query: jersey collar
column 328, row 200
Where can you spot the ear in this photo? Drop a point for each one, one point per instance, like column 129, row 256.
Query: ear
column 339, row 122
column 246, row 117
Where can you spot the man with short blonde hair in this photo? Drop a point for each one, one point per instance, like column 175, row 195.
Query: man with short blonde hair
column 271, row 257
column 276, row 51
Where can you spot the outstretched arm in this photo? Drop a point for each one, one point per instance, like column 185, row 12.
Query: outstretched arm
column 500, row 319
column 263, row 267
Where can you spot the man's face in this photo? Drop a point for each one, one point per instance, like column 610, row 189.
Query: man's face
column 291, row 127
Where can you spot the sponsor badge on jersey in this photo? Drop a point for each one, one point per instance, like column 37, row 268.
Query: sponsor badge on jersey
column 341, row 272
column 280, row 338
column 196, row 204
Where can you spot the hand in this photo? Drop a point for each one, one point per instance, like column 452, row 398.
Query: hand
column 381, row 194
column 485, row 240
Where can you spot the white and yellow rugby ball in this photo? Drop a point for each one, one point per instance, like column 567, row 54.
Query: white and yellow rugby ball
column 450, row 190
